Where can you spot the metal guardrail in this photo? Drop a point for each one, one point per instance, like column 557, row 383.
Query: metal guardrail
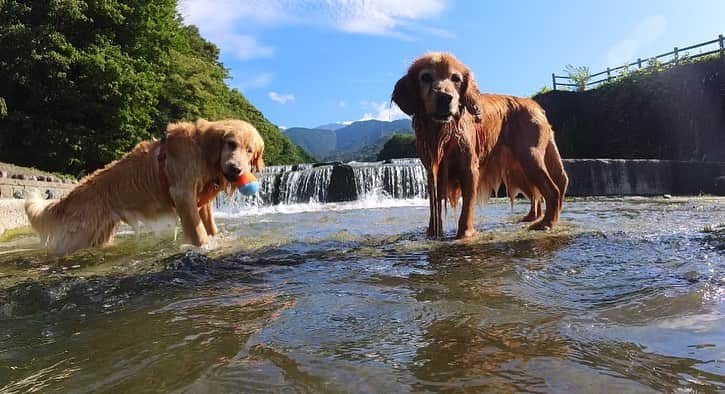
column 611, row 73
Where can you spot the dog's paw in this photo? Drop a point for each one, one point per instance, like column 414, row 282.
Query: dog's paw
column 528, row 218
column 542, row 225
column 467, row 234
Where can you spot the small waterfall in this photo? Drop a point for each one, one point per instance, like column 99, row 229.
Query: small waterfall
column 400, row 179
column 291, row 184
column 308, row 185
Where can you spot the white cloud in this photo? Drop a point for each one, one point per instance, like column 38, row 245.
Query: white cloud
column 219, row 20
column 261, row 80
column 282, row 98
column 645, row 33
column 381, row 17
column 342, row 104
column 243, row 46
column 384, row 111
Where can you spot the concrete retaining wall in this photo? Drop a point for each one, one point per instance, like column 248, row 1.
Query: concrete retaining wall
column 19, row 188
column 15, row 187
column 12, row 214
column 607, row 177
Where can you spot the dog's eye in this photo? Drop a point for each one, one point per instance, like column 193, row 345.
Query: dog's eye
column 456, row 78
column 231, row 145
column 250, row 150
column 427, row 78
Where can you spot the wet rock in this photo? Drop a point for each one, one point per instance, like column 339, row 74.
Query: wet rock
column 326, row 163
column 692, row 276
column 52, row 194
column 301, row 166
column 342, row 184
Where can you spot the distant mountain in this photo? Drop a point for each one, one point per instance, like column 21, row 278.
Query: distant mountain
column 359, row 141
column 318, row 142
column 358, row 134
column 331, row 126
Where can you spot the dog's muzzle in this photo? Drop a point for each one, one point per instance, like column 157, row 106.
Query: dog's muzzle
column 231, row 172
column 443, row 107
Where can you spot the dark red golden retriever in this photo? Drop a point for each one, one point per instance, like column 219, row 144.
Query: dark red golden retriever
column 470, row 143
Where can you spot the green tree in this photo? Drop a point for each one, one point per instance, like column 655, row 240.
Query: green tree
column 84, row 81
column 399, row 146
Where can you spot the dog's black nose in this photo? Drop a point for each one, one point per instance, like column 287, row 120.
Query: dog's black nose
column 443, row 102
column 233, row 169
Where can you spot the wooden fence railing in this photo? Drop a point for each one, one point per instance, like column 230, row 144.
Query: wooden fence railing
column 607, row 75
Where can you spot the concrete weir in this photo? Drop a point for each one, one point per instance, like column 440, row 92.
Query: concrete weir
column 405, row 178
column 609, row 177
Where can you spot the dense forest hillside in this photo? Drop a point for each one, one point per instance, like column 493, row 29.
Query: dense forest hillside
column 81, row 82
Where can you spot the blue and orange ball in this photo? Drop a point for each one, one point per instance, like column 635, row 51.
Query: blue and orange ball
column 247, row 184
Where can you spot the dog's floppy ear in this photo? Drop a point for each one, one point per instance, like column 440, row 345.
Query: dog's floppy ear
column 179, row 128
column 203, row 125
column 211, row 141
column 405, row 96
column 470, row 94
column 257, row 160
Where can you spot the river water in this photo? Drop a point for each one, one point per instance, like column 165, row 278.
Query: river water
column 625, row 295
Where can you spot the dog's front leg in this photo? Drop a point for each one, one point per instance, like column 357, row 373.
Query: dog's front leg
column 190, row 219
column 435, row 225
column 207, row 218
column 469, row 188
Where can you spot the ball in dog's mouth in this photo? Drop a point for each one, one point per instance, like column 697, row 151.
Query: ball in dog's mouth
column 247, row 184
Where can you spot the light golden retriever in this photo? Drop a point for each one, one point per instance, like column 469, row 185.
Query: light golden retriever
column 470, row 143
column 177, row 176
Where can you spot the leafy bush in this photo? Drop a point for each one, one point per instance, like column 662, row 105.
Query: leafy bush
column 543, row 90
column 580, row 75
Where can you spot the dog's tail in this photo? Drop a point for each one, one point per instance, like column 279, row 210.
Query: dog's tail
column 39, row 216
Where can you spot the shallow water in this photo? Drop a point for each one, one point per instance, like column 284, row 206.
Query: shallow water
column 627, row 294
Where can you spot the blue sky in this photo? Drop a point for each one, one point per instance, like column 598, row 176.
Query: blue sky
column 307, row 63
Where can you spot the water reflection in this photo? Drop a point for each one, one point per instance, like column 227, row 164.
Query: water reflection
column 625, row 296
